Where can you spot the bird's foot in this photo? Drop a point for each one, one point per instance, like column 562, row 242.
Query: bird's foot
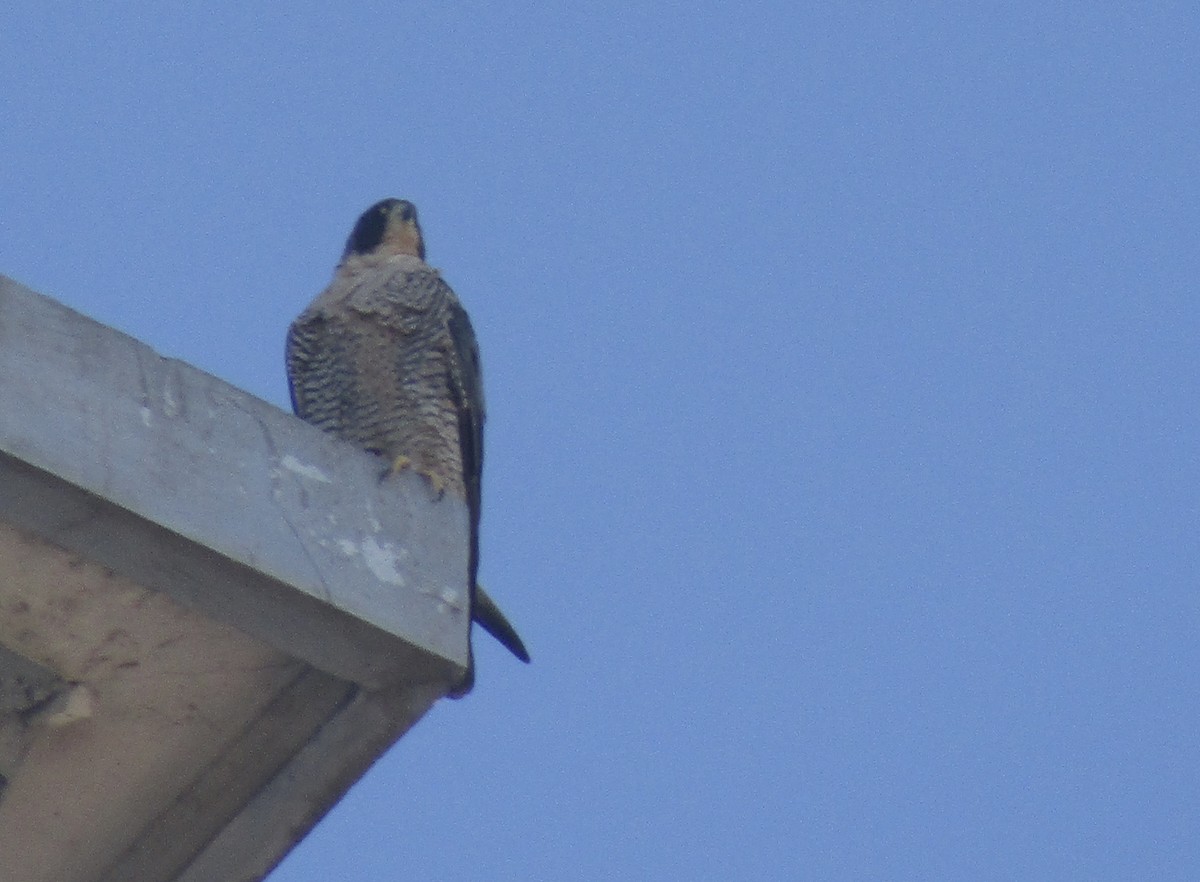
column 402, row 462
column 438, row 482
column 399, row 464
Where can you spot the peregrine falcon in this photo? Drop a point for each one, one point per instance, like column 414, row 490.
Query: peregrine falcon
column 386, row 358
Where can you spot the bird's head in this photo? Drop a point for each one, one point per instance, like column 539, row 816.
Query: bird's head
column 386, row 228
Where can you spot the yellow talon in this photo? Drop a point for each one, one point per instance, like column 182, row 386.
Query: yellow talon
column 402, row 462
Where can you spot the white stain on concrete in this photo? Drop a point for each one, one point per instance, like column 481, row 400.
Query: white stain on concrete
column 453, row 598
column 383, row 561
column 304, row 470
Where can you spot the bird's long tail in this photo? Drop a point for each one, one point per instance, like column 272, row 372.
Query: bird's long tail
column 488, row 615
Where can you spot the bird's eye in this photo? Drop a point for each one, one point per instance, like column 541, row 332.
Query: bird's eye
column 407, row 212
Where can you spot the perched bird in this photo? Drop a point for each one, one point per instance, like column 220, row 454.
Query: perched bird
column 386, row 358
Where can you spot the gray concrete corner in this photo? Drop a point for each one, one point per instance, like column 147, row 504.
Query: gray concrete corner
column 213, row 617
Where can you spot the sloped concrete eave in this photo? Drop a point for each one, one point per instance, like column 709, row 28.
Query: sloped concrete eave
column 213, row 617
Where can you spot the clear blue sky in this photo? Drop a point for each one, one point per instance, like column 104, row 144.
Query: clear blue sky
column 842, row 463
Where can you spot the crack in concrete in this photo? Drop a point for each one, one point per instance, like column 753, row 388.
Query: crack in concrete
column 275, row 477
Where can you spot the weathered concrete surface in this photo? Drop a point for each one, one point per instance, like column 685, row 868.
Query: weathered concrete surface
column 219, row 616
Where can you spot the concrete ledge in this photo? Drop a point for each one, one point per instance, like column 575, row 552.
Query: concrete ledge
column 215, row 616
